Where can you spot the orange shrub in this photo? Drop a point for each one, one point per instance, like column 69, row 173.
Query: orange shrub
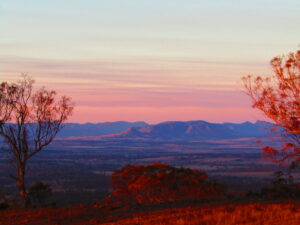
column 155, row 183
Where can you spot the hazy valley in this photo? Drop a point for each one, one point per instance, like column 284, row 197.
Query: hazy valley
column 79, row 168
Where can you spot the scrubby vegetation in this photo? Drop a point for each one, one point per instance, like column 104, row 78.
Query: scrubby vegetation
column 162, row 194
column 156, row 183
column 281, row 188
column 225, row 214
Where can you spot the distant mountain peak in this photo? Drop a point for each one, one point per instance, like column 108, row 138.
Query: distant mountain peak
column 194, row 130
column 169, row 130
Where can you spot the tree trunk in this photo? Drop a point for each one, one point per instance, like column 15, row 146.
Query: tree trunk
column 21, row 186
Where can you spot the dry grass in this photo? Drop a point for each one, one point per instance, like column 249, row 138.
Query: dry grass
column 231, row 214
column 250, row 214
column 68, row 215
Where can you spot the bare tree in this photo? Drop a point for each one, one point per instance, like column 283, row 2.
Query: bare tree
column 29, row 121
column 278, row 97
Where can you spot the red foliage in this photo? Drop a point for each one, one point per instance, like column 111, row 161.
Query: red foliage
column 278, row 97
column 154, row 183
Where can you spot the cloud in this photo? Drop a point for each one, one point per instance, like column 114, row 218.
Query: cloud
column 134, row 84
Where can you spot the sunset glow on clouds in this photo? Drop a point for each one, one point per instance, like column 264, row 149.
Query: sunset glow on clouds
column 147, row 60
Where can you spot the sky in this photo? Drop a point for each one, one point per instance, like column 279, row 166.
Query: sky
column 142, row 60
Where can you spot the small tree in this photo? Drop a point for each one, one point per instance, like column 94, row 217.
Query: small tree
column 29, row 121
column 3, row 201
column 278, row 97
column 39, row 192
column 281, row 188
column 2, row 196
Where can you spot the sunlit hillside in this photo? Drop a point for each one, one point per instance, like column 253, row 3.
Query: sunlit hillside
column 228, row 214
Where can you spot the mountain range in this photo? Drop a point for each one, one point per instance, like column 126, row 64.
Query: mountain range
column 96, row 129
column 173, row 130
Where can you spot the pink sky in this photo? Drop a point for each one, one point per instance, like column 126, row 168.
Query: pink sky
column 151, row 91
column 147, row 60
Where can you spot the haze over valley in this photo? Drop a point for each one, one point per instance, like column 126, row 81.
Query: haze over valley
column 83, row 164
